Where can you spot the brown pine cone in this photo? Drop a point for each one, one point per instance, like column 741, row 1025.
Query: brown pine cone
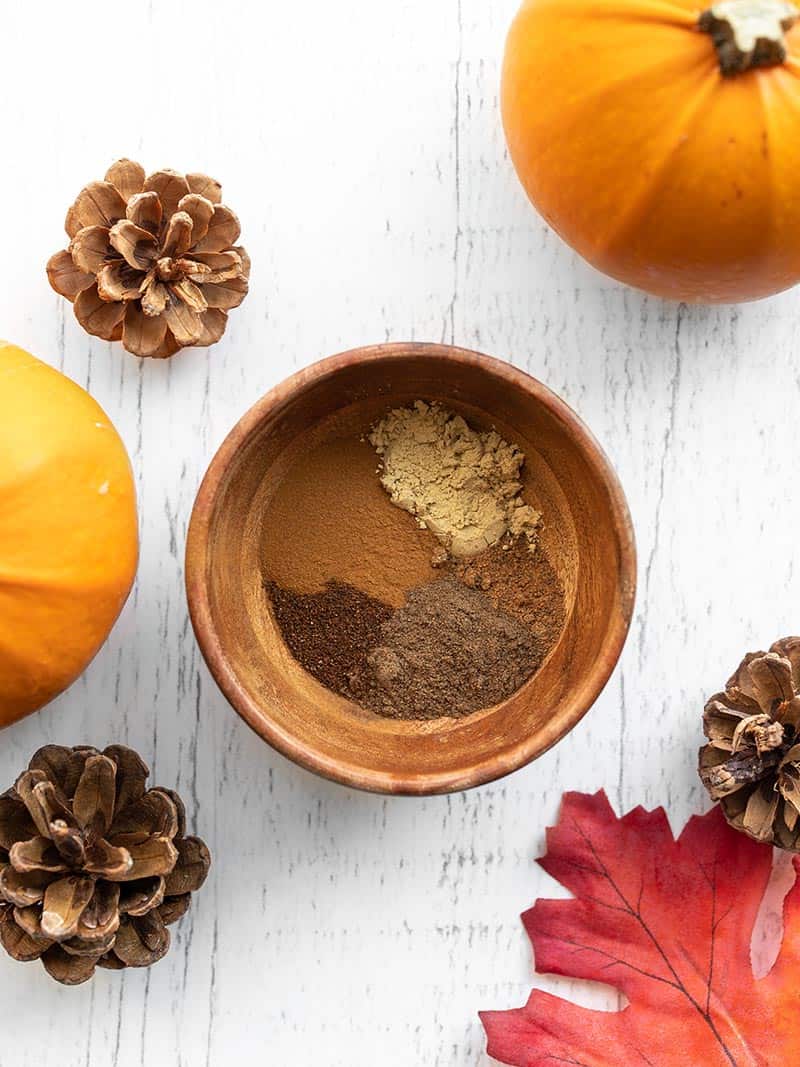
column 751, row 764
column 93, row 867
column 152, row 262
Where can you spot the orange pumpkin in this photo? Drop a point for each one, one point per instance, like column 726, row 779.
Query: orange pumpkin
column 662, row 143
column 68, row 531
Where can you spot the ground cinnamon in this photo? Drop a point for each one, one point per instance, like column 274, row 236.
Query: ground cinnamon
column 330, row 519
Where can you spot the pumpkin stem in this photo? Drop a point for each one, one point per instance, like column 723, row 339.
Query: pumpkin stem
column 749, row 33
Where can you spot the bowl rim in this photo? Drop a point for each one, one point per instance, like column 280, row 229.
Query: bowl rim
column 496, row 765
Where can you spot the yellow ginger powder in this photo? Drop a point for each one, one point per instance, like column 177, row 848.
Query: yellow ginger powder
column 462, row 485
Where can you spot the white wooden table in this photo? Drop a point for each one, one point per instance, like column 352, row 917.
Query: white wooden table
column 360, row 143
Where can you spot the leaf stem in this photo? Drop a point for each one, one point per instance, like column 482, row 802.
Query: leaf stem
column 705, row 1014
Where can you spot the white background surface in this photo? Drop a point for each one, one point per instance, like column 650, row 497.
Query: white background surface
column 360, row 143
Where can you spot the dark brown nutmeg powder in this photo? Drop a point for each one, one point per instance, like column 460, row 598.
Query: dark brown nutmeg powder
column 330, row 633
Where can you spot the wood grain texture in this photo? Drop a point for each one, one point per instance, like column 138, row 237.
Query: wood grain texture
column 360, row 143
column 242, row 645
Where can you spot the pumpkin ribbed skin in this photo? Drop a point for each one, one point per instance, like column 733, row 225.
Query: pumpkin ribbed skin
column 644, row 158
column 68, row 531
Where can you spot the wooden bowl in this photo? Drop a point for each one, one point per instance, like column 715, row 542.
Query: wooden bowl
column 588, row 537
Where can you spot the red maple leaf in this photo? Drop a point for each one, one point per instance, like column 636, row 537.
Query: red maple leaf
column 667, row 923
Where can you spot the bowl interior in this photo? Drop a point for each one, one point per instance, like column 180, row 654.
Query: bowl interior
column 586, row 536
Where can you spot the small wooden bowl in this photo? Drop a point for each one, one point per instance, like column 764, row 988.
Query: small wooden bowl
column 588, row 537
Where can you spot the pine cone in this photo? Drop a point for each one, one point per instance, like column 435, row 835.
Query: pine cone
column 93, row 867
column 152, row 262
column 751, row 764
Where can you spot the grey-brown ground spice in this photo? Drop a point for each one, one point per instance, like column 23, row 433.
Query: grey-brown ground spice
column 330, row 633
column 447, row 651
column 459, row 644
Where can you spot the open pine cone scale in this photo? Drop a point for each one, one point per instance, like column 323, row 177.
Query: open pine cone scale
column 751, row 764
column 152, row 261
column 93, row 866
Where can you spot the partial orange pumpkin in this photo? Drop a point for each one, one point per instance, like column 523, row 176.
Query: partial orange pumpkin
column 68, row 531
column 660, row 141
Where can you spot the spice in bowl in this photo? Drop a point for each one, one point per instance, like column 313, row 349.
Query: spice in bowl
column 417, row 587
column 461, row 484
